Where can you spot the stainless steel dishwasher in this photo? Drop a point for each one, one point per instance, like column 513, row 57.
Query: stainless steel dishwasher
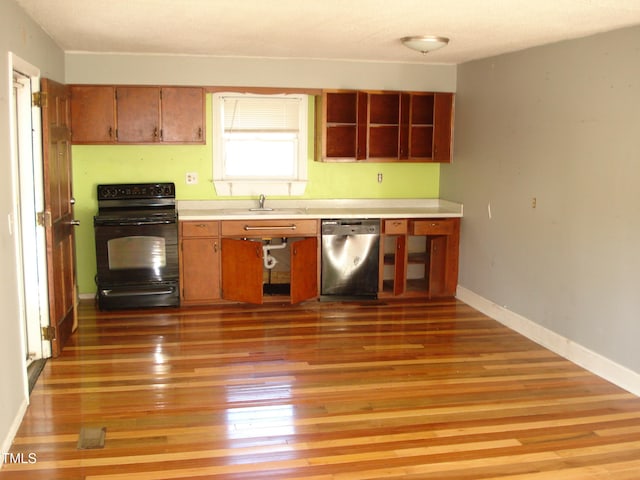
column 350, row 256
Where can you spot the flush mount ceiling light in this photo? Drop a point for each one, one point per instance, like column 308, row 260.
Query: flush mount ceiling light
column 424, row 43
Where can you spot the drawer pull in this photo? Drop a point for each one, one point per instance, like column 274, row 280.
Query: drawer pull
column 267, row 227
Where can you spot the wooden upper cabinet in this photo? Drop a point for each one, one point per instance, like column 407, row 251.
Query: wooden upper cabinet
column 386, row 126
column 443, row 127
column 138, row 114
column 344, row 135
column 93, row 114
column 182, row 114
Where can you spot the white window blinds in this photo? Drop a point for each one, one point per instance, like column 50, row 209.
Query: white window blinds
column 280, row 114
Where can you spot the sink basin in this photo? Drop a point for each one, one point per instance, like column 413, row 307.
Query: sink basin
column 274, row 211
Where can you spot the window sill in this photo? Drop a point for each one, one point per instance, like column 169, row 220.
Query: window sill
column 227, row 188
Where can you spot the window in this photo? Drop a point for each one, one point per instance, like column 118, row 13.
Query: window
column 260, row 144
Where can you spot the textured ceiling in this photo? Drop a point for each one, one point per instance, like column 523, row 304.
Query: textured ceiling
column 368, row 30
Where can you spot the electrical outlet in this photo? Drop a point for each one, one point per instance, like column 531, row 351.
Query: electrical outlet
column 191, row 178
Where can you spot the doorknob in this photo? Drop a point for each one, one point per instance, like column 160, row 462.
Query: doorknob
column 75, row 223
column 72, row 201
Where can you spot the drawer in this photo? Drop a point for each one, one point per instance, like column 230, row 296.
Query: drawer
column 433, row 226
column 396, row 226
column 200, row 229
column 269, row 228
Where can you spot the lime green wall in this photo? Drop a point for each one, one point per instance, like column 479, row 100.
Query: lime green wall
column 94, row 164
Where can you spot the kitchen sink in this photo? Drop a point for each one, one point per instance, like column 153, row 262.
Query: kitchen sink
column 265, row 211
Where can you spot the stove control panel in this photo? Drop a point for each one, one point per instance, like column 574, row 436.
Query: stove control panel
column 136, row 191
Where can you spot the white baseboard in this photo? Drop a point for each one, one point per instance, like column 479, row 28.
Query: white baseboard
column 86, row 296
column 13, row 429
column 594, row 362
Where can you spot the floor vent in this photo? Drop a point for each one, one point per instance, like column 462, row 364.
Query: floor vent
column 91, row 437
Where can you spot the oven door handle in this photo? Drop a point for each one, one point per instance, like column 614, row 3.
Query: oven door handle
column 125, row 223
column 108, row 292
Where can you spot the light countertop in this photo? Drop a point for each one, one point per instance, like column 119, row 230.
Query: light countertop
column 314, row 209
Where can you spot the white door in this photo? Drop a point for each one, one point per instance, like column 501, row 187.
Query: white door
column 27, row 201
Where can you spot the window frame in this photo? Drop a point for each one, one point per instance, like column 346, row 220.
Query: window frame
column 240, row 186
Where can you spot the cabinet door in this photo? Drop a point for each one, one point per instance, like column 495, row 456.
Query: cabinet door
column 443, row 127
column 304, row 269
column 138, row 110
column 400, row 272
column 200, row 270
column 93, row 114
column 182, row 114
column 437, row 266
column 241, row 270
column 405, row 117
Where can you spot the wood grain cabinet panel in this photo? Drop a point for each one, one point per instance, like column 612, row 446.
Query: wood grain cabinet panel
column 269, row 228
column 443, row 127
column 93, row 114
column 439, row 226
column 199, row 262
column 395, row 226
column 243, row 269
column 137, row 115
column 182, row 115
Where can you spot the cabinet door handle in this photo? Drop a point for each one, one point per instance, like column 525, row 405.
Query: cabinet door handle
column 248, row 228
column 215, row 247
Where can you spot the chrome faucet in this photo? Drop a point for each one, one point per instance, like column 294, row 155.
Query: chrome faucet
column 261, row 207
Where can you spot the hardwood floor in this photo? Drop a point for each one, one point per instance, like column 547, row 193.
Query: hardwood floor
column 416, row 390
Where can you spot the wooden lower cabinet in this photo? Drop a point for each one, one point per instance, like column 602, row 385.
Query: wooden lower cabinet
column 199, row 262
column 419, row 257
column 246, row 279
column 224, row 260
column 294, row 276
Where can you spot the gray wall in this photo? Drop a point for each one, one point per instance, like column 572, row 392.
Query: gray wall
column 255, row 72
column 20, row 35
column 560, row 123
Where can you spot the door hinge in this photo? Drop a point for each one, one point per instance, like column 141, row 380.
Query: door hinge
column 43, row 219
column 39, row 99
column 48, row 333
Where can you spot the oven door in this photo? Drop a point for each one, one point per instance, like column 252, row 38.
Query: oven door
column 137, row 264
